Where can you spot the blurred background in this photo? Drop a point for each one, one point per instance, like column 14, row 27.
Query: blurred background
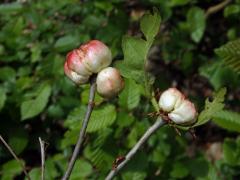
column 37, row 100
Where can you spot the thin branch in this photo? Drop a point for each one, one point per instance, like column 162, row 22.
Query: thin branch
column 15, row 156
column 43, row 148
column 159, row 123
column 83, row 129
column 216, row 8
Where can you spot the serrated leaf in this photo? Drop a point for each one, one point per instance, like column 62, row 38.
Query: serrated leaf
column 99, row 157
column 135, row 51
column 196, row 22
column 130, row 72
column 33, row 107
column 102, row 118
column 150, row 24
column 130, row 96
column 228, row 119
column 230, row 53
column 219, row 75
column 212, row 108
column 98, row 151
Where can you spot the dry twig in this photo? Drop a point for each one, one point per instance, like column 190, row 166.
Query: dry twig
column 83, row 129
column 15, row 157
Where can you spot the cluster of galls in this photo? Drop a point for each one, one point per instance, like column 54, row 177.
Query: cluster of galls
column 178, row 109
column 95, row 57
column 91, row 58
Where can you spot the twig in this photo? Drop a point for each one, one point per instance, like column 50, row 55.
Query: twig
column 159, row 123
column 15, row 156
column 42, row 147
column 216, row 8
column 83, row 129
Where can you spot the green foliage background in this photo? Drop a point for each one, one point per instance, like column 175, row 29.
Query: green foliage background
column 37, row 100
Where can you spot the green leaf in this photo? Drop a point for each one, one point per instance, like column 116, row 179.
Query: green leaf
column 196, row 22
column 66, row 43
column 10, row 8
column 81, row 170
column 231, row 152
column 33, row 107
column 36, row 51
column 219, row 75
column 18, row 140
column 3, row 97
column 231, row 9
column 179, row 2
column 51, row 171
column 102, row 118
column 85, row 96
column 194, row 167
column 7, row 73
column 130, row 96
column 99, row 157
column 230, row 53
column 228, row 119
column 135, row 51
column 179, row 170
column 98, row 151
column 150, row 24
column 212, row 108
column 136, row 168
column 35, row 173
column 11, row 169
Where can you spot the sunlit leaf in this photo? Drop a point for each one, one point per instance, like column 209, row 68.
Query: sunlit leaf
column 33, row 107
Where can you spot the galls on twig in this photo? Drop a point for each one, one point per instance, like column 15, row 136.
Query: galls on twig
column 109, row 82
column 180, row 110
column 89, row 58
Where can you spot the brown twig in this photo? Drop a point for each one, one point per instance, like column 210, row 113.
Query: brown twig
column 216, row 8
column 42, row 148
column 159, row 123
column 15, row 157
column 83, row 129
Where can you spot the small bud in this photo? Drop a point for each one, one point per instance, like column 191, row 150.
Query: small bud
column 109, row 82
column 170, row 99
column 75, row 77
column 184, row 114
column 96, row 55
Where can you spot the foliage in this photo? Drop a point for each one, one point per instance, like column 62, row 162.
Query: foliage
column 228, row 120
column 135, row 50
column 230, row 53
column 37, row 100
column 211, row 108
